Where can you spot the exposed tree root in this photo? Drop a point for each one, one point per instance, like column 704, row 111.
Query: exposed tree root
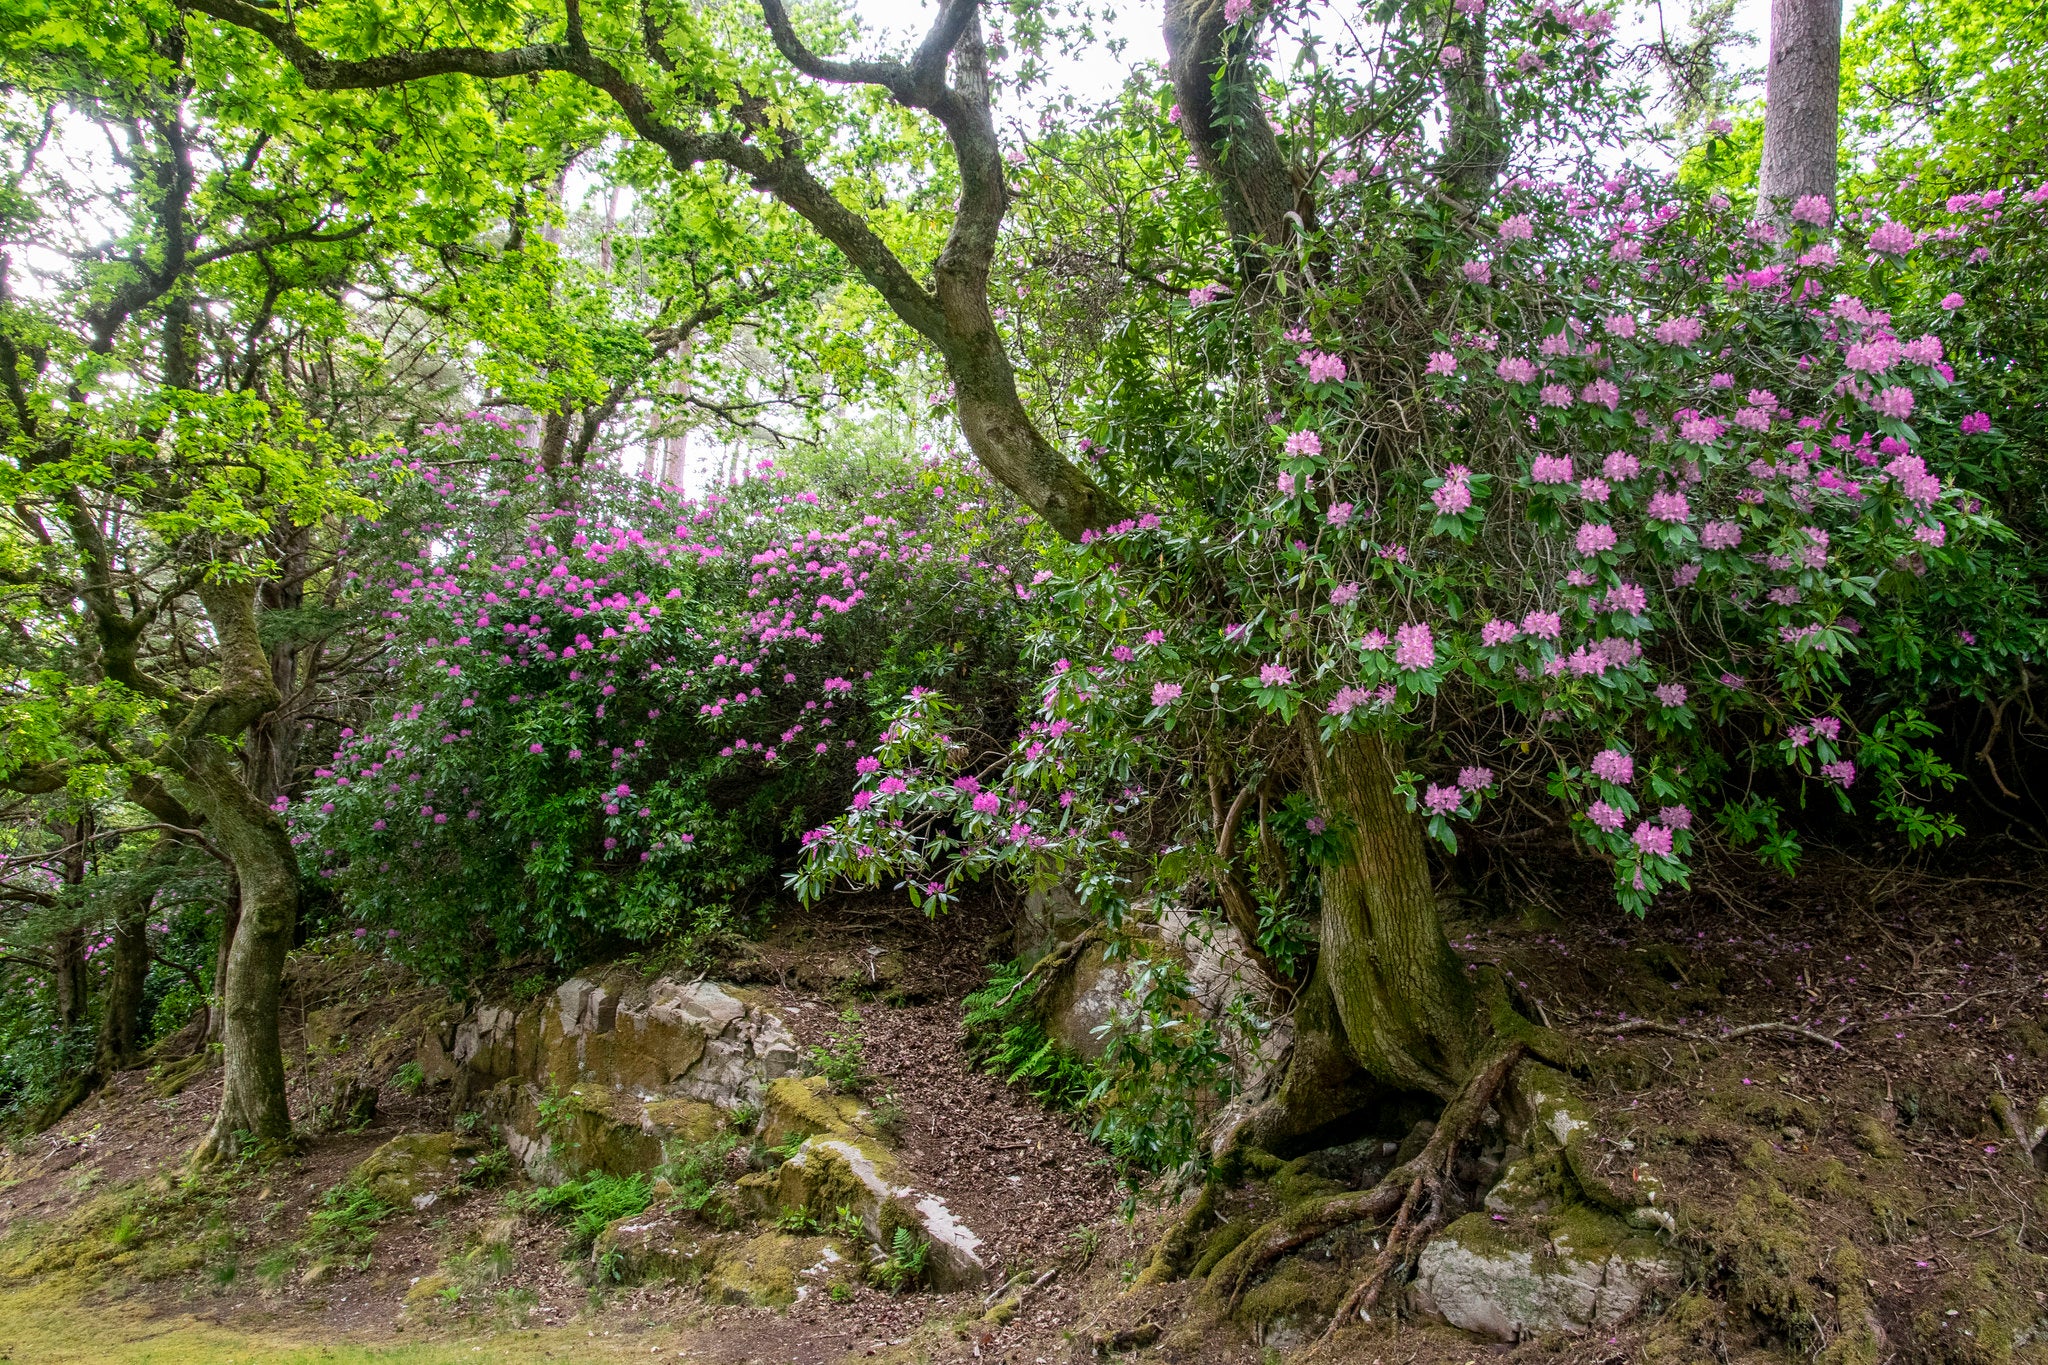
column 1422, row 1183
column 1746, row 1030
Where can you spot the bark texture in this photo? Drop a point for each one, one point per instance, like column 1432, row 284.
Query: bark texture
column 1802, row 102
column 1409, row 1016
column 253, row 1106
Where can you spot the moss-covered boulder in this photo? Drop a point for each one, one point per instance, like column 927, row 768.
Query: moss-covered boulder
column 773, row 1270
column 798, row 1107
column 415, row 1169
column 651, row 1247
column 1572, row 1270
column 829, row 1173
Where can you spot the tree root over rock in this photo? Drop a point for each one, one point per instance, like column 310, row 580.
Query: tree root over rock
column 1418, row 1194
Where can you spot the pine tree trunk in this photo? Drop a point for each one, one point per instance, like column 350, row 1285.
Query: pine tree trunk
column 1802, row 102
column 1409, row 1017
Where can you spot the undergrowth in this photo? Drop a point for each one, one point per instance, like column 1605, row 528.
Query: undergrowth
column 589, row 1203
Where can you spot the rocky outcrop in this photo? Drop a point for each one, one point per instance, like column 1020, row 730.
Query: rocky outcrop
column 596, row 1077
column 840, row 1163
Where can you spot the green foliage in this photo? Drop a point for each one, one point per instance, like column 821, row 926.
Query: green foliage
column 905, row 1264
column 345, row 1220
column 842, row 1060
column 410, row 1078
column 38, row 1059
column 589, row 1204
column 1007, row 1041
column 697, row 1175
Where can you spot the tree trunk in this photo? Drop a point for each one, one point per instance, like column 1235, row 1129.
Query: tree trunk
column 230, row 920
column 67, row 951
column 1802, row 99
column 253, row 1106
column 120, row 1038
column 1409, row 1016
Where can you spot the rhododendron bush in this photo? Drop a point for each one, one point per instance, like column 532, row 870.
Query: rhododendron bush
column 608, row 707
column 1590, row 495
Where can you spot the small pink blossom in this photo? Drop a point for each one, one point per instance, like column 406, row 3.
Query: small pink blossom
column 1622, row 325
column 1474, row 779
column 1339, row 514
column 1671, row 694
column 1275, row 675
column 1165, row 693
column 1891, row 239
column 1544, row 625
column 1814, row 209
column 1478, row 272
column 1304, row 443
column 1519, row 228
column 1442, row 800
column 1551, row 469
column 1442, row 362
column 1895, row 402
column 1605, row 816
column 1653, row 840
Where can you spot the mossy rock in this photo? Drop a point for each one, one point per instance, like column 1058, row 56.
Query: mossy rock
column 649, row 1248
column 683, row 1123
column 1875, row 1137
column 1295, row 1302
column 427, row 1292
column 767, row 1271
column 1573, row 1270
column 413, row 1169
column 804, row 1106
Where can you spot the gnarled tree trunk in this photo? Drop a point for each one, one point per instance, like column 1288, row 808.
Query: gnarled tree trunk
column 1410, row 1017
column 253, row 1105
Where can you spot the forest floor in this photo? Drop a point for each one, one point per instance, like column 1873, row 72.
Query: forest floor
column 1809, row 1179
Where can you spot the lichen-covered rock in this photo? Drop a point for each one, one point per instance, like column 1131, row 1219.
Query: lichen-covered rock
column 804, row 1106
column 415, row 1169
column 772, row 1270
column 830, row 1172
column 625, row 1074
column 1511, row 1277
column 1082, row 999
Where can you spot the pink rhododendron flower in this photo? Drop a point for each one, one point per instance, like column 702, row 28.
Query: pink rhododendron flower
column 1517, row 229
column 1621, row 325
column 1675, row 817
column 1516, row 370
column 1441, row 800
column 1621, row 466
column 1653, row 840
column 1556, row 395
column 1478, row 272
column 1891, row 239
column 1551, row 469
column 1474, row 779
column 1275, row 675
column 1684, row 331
column 1414, row 647
column 1814, row 209
column 1595, row 490
column 1895, row 402
column 1671, row 694
column 1841, row 770
column 1544, row 625
column 1721, row 535
column 1594, row 537
column 1612, row 765
column 1165, row 693
column 1304, row 443
column 1344, row 594
column 1451, row 55
column 1602, row 393
column 1952, row 301
column 1976, row 424
column 1669, row 507
column 1339, row 514
column 1605, row 816
column 1322, row 366
column 1499, row 633
column 1442, row 362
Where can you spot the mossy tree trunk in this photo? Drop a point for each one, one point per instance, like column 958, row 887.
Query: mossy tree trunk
column 253, row 1105
column 1408, row 1014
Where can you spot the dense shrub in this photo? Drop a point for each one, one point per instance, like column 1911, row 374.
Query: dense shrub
column 604, row 714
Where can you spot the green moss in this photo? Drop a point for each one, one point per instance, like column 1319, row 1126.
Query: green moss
column 1300, row 1291
column 1874, row 1136
column 1221, row 1243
